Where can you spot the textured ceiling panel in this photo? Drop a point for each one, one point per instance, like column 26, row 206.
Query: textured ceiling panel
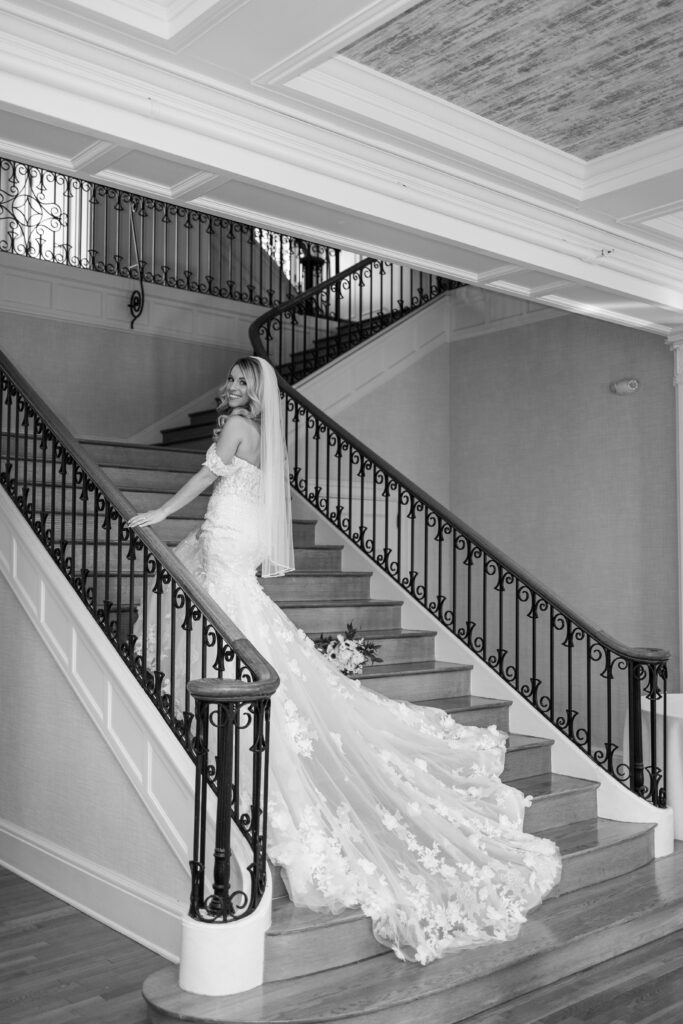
column 585, row 76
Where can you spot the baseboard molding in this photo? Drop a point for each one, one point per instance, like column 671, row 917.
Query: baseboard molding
column 143, row 915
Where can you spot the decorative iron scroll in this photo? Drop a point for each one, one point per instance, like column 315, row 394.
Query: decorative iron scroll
column 57, row 217
column 237, row 729
column 607, row 698
column 145, row 602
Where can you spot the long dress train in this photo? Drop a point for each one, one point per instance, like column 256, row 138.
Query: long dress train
column 373, row 802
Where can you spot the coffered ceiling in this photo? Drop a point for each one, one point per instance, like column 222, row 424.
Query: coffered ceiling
column 530, row 146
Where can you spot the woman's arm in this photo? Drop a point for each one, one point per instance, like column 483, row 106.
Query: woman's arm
column 226, row 446
column 192, row 489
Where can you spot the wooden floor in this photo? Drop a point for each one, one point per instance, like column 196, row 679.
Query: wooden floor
column 58, row 966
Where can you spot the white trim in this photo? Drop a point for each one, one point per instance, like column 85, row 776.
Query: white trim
column 54, row 292
column 142, row 914
column 405, row 109
column 643, row 161
column 361, row 23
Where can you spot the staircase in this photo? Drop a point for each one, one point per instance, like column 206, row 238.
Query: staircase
column 612, row 897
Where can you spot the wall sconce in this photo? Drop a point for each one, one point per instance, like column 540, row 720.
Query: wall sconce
column 624, row 387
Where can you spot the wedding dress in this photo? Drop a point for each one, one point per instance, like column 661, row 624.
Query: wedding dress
column 373, row 803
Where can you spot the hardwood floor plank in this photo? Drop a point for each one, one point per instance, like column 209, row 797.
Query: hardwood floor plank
column 627, row 989
column 59, row 966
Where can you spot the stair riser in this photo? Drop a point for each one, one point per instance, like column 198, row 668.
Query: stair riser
column 318, row 559
column 528, row 761
column 335, row 619
column 163, row 481
column 205, row 418
column 421, row 685
column 142, row 457
column 296, row 954
column 143, row 501
column 324, row 588
column 400, row 649
column 589, row 867
column 483, row 717
column 303, row 534
column 188, row 437
column 560, row 809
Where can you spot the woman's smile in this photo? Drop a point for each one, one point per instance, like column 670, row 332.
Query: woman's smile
column 237, row 392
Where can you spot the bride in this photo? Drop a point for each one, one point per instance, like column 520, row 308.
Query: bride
column 373, row 803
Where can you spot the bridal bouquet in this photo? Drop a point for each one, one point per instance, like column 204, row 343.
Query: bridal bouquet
column 350, row 653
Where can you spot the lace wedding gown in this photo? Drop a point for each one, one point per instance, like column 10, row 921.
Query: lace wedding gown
column 373, row 803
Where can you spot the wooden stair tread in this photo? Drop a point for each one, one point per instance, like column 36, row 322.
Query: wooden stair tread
column 518, row 741
column 391, row 633
column 361, row 602
column 318, row 547
column 561, row 938
column 549, row 784
column 322, row 573
column 409, row 668
column 467, row 702
column 288, row 918
column 579, row 836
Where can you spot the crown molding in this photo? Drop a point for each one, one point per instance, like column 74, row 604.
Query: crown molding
column 360, row 23
column 633, row 164
column 405, row 110
column 163, row 19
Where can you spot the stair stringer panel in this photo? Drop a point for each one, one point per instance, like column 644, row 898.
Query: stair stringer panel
column 134, row 876
column 614, row 800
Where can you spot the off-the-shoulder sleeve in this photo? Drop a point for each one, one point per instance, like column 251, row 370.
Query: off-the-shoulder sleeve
column 215, row 464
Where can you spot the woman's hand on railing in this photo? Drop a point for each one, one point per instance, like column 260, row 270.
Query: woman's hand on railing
column 151, row 518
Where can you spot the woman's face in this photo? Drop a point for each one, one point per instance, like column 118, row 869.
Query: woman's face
column 237, row 389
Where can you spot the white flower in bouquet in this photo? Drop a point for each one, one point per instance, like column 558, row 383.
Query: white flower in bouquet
column 349, row 652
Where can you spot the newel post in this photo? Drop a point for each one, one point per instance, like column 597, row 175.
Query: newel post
column 223, row 936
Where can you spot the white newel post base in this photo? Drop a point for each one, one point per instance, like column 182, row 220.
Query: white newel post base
column 223, row 959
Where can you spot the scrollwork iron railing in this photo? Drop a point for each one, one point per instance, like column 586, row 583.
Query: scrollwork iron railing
column 57, row 217
column 166, row 630
column 607, row 698
column 298, row 336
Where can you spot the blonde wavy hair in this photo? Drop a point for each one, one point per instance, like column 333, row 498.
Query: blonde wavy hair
column 250, row 369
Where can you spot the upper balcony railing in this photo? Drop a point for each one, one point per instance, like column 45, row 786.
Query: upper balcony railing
column 57, row 217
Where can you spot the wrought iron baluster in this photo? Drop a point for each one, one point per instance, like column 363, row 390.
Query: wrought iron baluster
column 635, row 726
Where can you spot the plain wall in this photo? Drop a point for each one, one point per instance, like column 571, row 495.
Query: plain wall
column 106, row 383
column 575, row 483
column 406, row 419
column 68, row 331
